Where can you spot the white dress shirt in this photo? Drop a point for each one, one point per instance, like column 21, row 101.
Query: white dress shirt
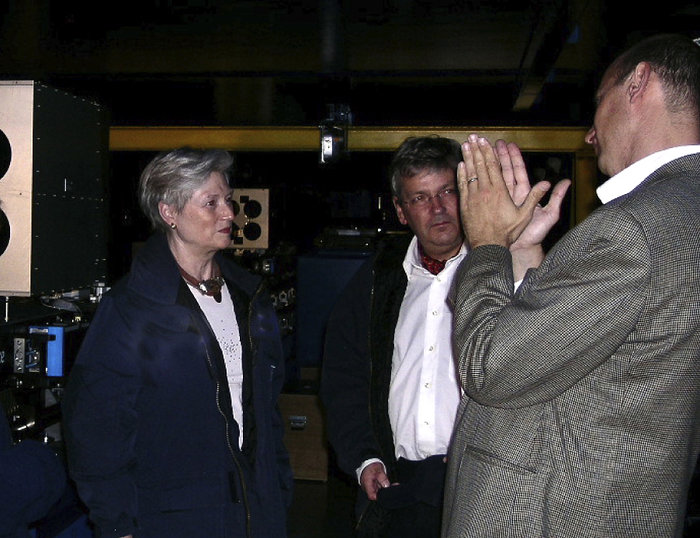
column 627, row 180
column 424, row 392
column 222, row 320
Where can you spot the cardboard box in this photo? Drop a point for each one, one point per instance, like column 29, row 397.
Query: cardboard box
column 304, row 435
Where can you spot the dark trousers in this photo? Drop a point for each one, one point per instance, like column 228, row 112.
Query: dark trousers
column 415, row 505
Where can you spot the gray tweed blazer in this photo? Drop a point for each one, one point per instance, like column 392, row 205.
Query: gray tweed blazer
column 583, row 388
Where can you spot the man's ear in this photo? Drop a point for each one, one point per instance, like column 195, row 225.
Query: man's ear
column 399, row 211
column 638, row 81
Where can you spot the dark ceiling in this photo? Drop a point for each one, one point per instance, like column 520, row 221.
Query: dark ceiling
column 283, row 62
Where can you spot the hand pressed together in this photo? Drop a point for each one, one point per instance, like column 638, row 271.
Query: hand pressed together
column 500, row 207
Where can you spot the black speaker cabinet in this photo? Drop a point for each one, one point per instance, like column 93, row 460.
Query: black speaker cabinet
column 251, row 225
column 53, row 222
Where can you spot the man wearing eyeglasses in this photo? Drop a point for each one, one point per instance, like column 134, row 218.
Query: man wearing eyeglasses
column 389, row 381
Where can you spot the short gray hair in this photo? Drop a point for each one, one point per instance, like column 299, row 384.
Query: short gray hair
column 173, row 176
column 418, row 154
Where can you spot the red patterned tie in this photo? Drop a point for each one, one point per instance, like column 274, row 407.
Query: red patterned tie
column 431, row 264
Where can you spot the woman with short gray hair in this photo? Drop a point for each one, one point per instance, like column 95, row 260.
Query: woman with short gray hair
column 170, row 410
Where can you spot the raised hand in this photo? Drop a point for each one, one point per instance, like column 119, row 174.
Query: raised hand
column 518, row 184
column 489, row 191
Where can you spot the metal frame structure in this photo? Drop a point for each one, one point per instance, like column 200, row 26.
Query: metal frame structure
column 307, row 138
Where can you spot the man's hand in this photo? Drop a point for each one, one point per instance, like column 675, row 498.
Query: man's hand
column 489, row 214
column 516, row 221
column 372, row 479
column 518, row 184
column 527, row 249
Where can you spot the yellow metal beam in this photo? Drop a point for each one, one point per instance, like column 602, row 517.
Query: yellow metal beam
column 556, row 139
column 307, row 138
column 231, row 138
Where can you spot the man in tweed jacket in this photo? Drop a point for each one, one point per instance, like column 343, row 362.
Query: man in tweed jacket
column 583, row 386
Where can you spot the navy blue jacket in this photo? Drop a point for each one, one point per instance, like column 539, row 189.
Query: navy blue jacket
column 32, row 479
column 356, row 373
column 150, row 433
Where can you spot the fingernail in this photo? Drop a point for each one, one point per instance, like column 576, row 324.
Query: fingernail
column 473, row 137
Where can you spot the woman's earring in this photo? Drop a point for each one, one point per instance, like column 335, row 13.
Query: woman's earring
column 173, row 225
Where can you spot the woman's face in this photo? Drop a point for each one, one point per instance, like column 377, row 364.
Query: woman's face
column 204, row 224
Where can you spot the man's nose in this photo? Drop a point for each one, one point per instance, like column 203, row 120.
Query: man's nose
column 437, row 204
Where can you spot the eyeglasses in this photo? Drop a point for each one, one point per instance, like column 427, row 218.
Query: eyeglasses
column 423, row 200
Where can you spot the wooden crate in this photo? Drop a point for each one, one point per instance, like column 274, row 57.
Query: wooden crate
column 304, row 435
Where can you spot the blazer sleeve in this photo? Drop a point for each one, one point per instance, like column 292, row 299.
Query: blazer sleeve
column 345, row 381
column 568, row 317
column 100, row 421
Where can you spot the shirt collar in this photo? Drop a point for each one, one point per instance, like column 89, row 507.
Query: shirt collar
column 412, row 261
column 626, row 181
